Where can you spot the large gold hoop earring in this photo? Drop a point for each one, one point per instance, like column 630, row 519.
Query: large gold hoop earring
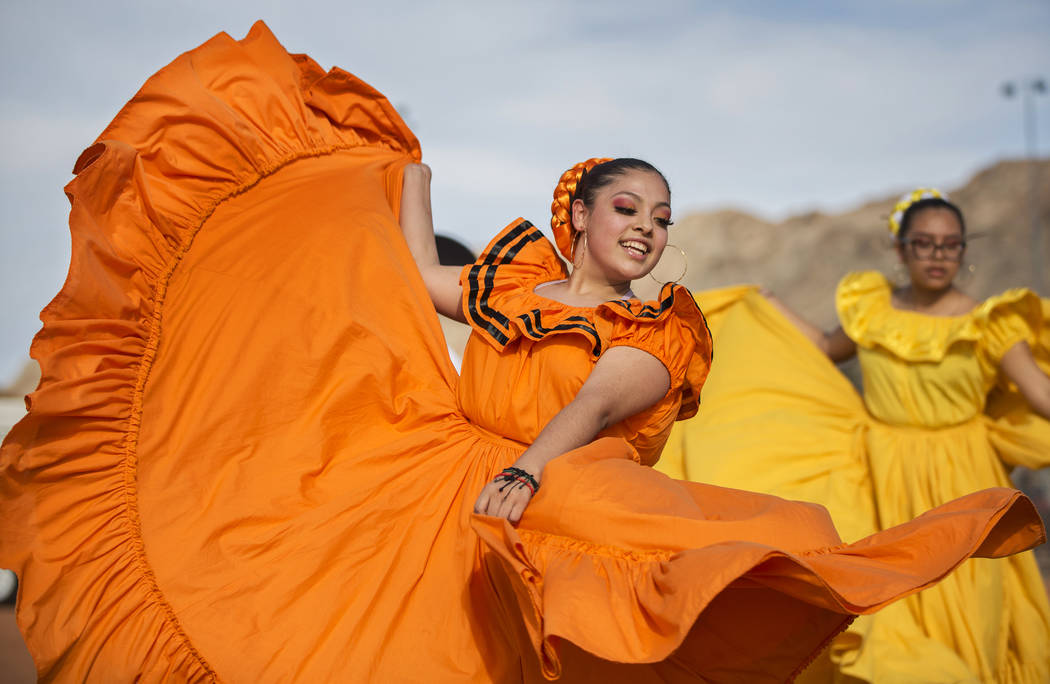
column 580, row 235
column 685, row 265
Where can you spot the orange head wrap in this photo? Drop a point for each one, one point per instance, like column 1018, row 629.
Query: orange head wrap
column 561, row 207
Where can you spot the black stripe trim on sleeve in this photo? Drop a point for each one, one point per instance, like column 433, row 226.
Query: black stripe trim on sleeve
column 481, row 282
column 484, row 316
column 666, row 303
column 537, row 331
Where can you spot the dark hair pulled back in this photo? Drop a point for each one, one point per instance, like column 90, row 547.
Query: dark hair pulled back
column 929, row 203
column 602, row 174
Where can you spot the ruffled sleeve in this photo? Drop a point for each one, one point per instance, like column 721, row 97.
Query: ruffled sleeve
column 864, row 304
column 498, row 291
column 673, row 329
column 1020, row 436
column 1006, row 319
column 861, row 301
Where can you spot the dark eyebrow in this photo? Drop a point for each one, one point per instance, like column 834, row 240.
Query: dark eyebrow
column 928, row 236
column 639, row 198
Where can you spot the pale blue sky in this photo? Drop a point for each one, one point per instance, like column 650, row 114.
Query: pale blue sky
column 772, row 107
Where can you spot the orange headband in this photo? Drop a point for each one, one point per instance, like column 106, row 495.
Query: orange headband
column 561, row 207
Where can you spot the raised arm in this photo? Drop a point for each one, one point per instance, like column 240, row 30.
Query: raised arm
column 1019, row 365
column 836, row 344
column 623, row 382
column 417, row 223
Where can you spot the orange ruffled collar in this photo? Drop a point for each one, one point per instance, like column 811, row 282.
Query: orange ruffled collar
column 501, row 304
column 500, row 301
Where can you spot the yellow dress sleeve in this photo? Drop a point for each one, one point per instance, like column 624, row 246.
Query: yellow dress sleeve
column 862, row 301
column 1006, row 319
column 1020, row 437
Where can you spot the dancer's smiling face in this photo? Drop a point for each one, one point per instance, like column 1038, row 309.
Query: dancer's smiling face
column 625, row 226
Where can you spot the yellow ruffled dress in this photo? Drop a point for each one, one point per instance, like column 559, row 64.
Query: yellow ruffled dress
column 935, row 422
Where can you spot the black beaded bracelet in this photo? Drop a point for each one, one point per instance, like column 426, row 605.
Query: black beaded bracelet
column 520, row 475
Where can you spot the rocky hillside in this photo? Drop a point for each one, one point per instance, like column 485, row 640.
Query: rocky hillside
column 803, row 257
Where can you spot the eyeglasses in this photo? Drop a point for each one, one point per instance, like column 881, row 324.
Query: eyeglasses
column 925, row 248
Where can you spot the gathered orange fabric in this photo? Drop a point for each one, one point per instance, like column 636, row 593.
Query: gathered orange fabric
column 244, row 465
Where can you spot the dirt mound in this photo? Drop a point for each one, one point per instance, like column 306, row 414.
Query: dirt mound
column 803, row 257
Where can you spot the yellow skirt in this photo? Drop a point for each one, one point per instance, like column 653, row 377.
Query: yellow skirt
column 784, row 421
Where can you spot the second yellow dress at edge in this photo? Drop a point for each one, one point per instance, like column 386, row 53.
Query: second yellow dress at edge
column 935, row 423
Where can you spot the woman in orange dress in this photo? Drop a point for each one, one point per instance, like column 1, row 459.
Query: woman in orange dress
column 250, row 459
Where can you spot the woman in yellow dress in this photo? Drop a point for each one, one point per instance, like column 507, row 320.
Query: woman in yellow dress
column 950, row 386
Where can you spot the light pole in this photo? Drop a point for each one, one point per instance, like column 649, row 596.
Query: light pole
column 1027, row 90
